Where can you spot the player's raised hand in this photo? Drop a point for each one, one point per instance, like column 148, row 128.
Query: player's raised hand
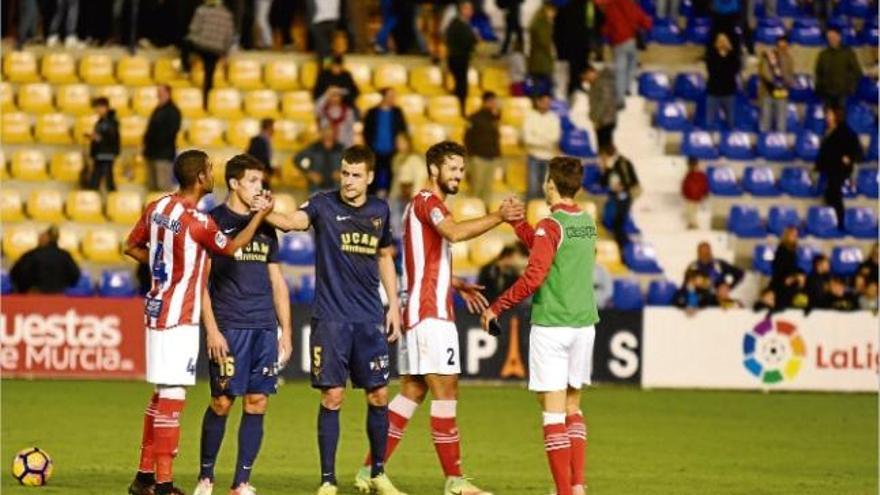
column 264, row 203
column 473, row 297
column 512, row 209
column 392, row 323
column 217, row 346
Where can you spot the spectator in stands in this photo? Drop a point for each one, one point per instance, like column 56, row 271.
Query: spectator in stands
column 160, row 141
column 667, row 9
column 517, row 69
column 381, row 126
column 45, row 269
column 867, row 272
column 723, row 299
column 787, row 278
column 840, row 297
column 27, row 22
column 211, row 35
column 837, row 71
column 766, row 302
column 497, row 276
column 103, row 144
column 694, row 294
column 603, row 103
column 818, row 281
column 389, row 22
column 868, row 299
column 460, row 44
column 723, row 64
column 727, row 19
column 324, row 18
column 541, row 55
column 603, row 286
column 332, row 110
column 694, row 189
column 541, row 132
column 281, row 19
column 623, row 20
column 260, row 146
column 336, row 75
column 512, row 23
column 320, row 161
column 839, row 153
column 261, row 23
column 66, row 11
column 571, row 37
column 409, row 174
column 716, row 270
column 483, row 142
column 776, row 73
column 619, row 177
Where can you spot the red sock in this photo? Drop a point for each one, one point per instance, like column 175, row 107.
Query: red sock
column 445, row 433
column 167, row 436
column 558, row 449
column 577, row 435
column 396, row 426
column 148, row 460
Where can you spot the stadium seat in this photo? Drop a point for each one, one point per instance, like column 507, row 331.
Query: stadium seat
column 792, row 119
column 426, row 135
column 305, row 290
column 102, row 246
column 608, row 212
column 134, row 70
column 131, row 130
column 96, row 69
column 690, row 86
column 737, row 145
column 20, row 67
column 189, row 101
column 641, row 257
column 867, row 90
column 762, row 259
column 802, row 90
column 860, row 118
column 6, row 287
column 84, row 287
column 66, row 166
column 805, row 253
column 514, row 109
column 769, row 30
column 205, row 132
column 46, row 205
column 486, row 250
column 655, row 86
column 745, row 222
column 240, row 132
column 672, row 116
column 871, row 155
column 366, row 101
column 782, row 217
column 869, row 33
column 413, row 106
column 773, row 146
column 627, row 295
column 58, row 67
column 697, row 31
column 661, row 293
column 168, row 71
column 845, row 27
column 866, row 182
column 807, row 32
column 814, row 118
column 261, row 103
column 281, row 75
column 468, row 209
column 807, row 145
column 362, row 75
column 285, row 203
column 117, row 283
column 496, row 80
column 822, row 222
column 666, row 32
column 118, row 96
column 197, row 75
column 74, row 99
column 84, row 206
column 16, row 128
column 29, row 165
column 845, row 260
column 593, row 180
column 84, row 125
column 796, row 182
column 391, row 76
column 444, row 110
column 124, row 207
column 286, row 134
column 297, row 248
column 35, row 98
column 722, row 182
column 510, row 141
column 699, row 144
column 17, row 240
column 473, row 78
column 760, row 181
column 536, row 210
column 224, row 103
column 576, row 142
column 144, row 99
column 861, row 222
column 308, row 74
column 7, row 101
column 298, row 105
column 427, row 80
column 746, row 117
column 244, row 73
column 11, row 208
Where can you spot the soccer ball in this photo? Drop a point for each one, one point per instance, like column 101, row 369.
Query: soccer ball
column 32, row 467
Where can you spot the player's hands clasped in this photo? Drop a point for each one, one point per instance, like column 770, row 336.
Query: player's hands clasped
column 512, row 209
column 486, row 318
column 263, row 203
column 475, row 300
column 217, row 346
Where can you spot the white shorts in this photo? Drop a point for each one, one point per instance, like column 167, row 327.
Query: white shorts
column 430, row 348
column 172, row 354
column 560, row 357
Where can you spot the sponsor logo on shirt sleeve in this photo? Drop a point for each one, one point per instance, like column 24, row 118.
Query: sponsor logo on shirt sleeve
column 220, row 240
column 437, row 215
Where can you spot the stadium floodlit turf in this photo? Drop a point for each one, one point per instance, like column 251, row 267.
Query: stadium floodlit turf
column 641, row 442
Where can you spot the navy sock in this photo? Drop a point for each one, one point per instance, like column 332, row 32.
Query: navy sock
column 377, row 431
column 250, row 436
column 328, row 438
column 213, row 428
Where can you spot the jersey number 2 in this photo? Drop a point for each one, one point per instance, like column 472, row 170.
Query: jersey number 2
column 451, row 352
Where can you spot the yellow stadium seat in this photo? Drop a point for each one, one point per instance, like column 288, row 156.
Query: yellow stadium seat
column 362, row 75
column 427, row 80
column 366, row 101
column 589, row 207
column 486, row 249
column 16, row 128
column 240, row 132
column 58, row 67
column 461, row 261
column 292, row 177
column 189, row 101
column 285, row 203
column 4, row 172
column 298, row 105
column 144, row 100
column 20, row 67
column 515, row 175
column 514, row 109
column 66, row 166
column 167, row 71
column 124, row 207
column 102, row 246
column 96, row 69
column 131, row 130
column 154, row 196
column 6, row 101
column 46, row 205
column 68, row 239
column 224, row 103
column 261, row 103
column 472, row 104
column 134, row 70
column 197, row 75
column 10, row 205
column 510, row 142
column 219, row 168
column 131, row 171
column 84, row 125
column 308, row 74
column 29, row 165
column 608, row 255
column 391, row 76
column 245, row 73
column 118, row 96
column 281, row 75
column 455, row 132
column 286, row 134
column 444, row 110
column 467, row 209
column 473, row 78
column 205, row 132
column 495, row 79
column 84, row 206
column 426, row 135
column 536, row 210
column 19, row 239
column 53, row 128
column 74, row 99
column 413, row 106
column 35, row 98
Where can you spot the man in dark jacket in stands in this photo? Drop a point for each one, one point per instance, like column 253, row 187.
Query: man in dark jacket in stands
column 104, row 147
column 160, row 145
column 320, row 162
column 381, row 126
column 483, row 142
column 46, row 269
column 336, row 75
column 787, row 280
column 717, row 270
column 260, row 146
column 619, row 177
column 837, row 71
column 460, row 44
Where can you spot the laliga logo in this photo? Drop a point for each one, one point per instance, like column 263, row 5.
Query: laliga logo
column 773, row 352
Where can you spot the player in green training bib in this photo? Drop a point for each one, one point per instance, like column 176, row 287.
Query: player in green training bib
column 562, row 253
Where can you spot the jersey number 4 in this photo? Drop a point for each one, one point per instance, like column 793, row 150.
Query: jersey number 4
column 160, row 274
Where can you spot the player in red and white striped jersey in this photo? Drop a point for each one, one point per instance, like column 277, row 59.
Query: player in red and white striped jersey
column 429, row 357
column 172, row 236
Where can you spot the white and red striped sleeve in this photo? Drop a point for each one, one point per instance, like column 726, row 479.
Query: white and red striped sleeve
column 204, row 231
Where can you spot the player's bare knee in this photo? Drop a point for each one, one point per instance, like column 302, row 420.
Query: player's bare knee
column 255, row 403
column 573, row 401
column 221, row 405
column 378, row 397
column 332, row 398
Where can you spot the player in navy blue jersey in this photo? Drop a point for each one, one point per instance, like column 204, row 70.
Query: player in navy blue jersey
column 245, row 302
column 350, row 331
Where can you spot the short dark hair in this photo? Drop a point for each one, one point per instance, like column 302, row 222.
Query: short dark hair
column 188, row 165
column 383, row 92
column 839, row 113
column 607, row 149
column 782, row 37
column 238, row 164
column 567, row 174
column 266, row 124
column 360, row 154
column 818, row 259
column 693, row 161
column 337, row 60
column 438, row 153
column 100, row 101
column 489, row 95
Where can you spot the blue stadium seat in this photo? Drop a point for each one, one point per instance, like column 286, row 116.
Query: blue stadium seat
column 807, row 32
column 305, row 290
column 661, row 293
column 773, row 146
column 792, row 119
column 769, row 29
column 697, row 143
column 737, row 145
column 641, row 258
column 296, row 248
column 762, row 259
column 666, row 32
column 848, row 189
column 484, row 28
column 593, row 180
column 672, row 116
column 845, row 260
column 608, row 218
column 861, row 119
column 871, row 155
column 697, row 31
column 207, row 203
column 745, row 221
column 782, row 217
column 861, row 222
column 807, row 145
column 789, row 8
column 796, row 182
column 5, row 283
column 83, row 287
column 690, row 86
column 760, row 181
column 869, row 35
column 867, row 90
column 576, row 142
column 814, row 118
column 627, row 295
column 847, row 32
column 802, row 91
column 857, row 8
column 805, row 254
column 746, row 116
column 560, row 108
column 722, row 182
column 655, row 86
column 822, row 222
column 752, row 87
column 866, row 182
column 117, row 283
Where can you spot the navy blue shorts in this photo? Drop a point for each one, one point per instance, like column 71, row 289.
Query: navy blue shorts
column 250, row 366
column 341, row 351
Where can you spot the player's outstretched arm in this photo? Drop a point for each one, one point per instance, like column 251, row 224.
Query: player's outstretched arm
column 298, row 220
column 281, row 298
column 511, row 210
column 388, row 277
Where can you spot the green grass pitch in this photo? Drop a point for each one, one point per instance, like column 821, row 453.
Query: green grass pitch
column 640, row 442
